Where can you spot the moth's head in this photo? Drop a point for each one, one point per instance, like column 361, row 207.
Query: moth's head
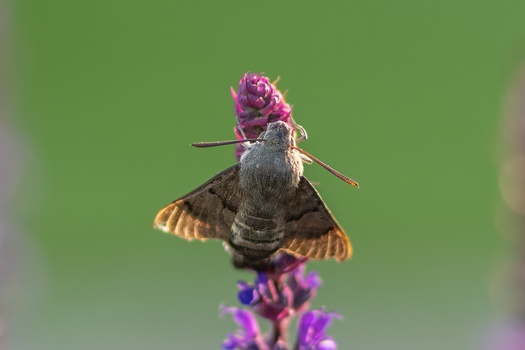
column 278, row 134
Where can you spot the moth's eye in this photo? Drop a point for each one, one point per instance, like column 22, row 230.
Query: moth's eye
column 279, row 134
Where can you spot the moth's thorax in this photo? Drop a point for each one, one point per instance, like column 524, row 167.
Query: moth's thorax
column 271, row 170
column 270, row 173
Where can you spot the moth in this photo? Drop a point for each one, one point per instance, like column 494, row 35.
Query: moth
column 260, row 206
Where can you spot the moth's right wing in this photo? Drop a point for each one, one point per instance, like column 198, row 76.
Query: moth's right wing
column 311, row 230
column 206, row 212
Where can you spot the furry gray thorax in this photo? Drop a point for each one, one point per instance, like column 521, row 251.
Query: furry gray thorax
column 270, row 171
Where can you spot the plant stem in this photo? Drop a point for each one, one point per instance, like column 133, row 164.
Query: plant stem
column 280, row 331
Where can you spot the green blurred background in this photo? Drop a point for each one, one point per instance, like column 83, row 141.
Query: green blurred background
column 403, row 96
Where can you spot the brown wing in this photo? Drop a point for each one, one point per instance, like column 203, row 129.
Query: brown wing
column 311, row 230
column 206, row 212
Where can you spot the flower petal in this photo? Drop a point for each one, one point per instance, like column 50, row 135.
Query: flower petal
column 304, row 331
column 245, row 319
column 313, row 280
column 233, row 341
column 327, row 344
column 248, row 296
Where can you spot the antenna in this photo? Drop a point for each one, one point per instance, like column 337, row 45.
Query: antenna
column 222, row 143
column 327, row 167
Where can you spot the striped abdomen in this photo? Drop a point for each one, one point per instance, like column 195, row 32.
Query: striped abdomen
column 255, row 238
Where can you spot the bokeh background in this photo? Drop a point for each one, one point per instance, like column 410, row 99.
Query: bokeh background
column 105, row 97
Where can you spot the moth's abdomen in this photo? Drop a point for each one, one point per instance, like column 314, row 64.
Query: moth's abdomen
column 254, row 237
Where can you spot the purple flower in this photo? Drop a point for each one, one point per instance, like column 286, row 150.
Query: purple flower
column 248, row 337
column 303, row 287
column 508, row 334
column 277, row 294
column 247, row 295
column 311, row 332
column 257, row 103
column 283, row 291
column 508, row 284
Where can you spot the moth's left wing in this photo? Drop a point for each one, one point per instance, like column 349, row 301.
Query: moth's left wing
column 206, row 212
column 311, row 230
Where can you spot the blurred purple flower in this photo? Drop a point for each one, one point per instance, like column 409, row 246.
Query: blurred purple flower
column 257, row 103
column 11, row 148
column 507, row 335
column 311, row 333
column 248, row 336
column 507, row 287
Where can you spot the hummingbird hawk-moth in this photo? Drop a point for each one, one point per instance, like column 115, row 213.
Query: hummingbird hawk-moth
column 261, row 205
